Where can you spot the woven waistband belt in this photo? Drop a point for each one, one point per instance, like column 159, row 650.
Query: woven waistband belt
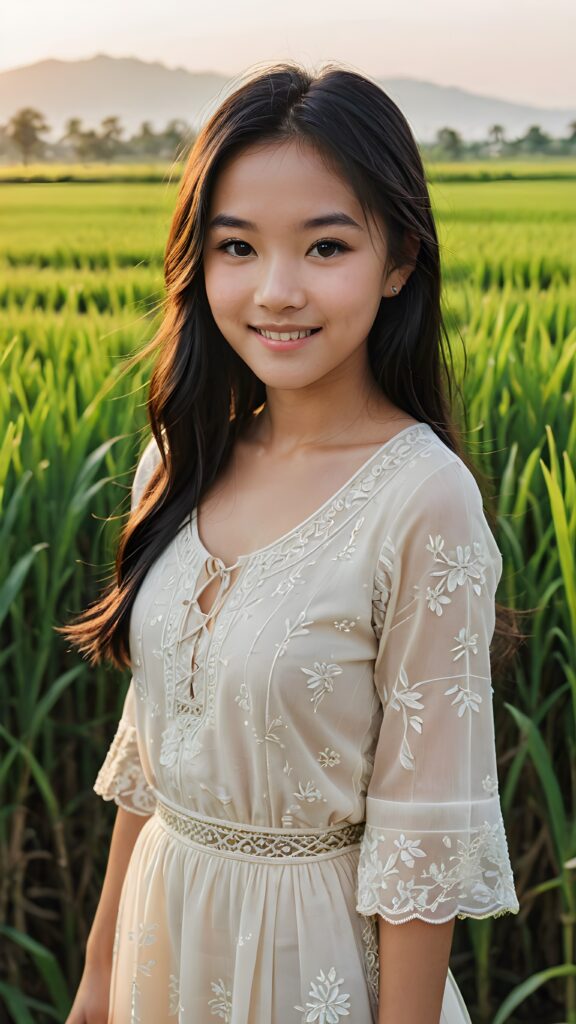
column 253, row 842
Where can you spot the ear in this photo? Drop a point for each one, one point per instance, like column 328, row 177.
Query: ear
column 412, row 244
column 397, row 277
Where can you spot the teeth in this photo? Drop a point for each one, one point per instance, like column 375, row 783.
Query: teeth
column 292, row 336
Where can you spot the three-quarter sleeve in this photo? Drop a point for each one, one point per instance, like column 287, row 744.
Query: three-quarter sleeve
column 121, row 777
column 434, row 845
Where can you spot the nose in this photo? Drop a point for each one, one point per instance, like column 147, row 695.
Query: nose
column 279, row 286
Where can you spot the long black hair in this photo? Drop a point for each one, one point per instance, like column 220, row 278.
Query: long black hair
column 202, row 394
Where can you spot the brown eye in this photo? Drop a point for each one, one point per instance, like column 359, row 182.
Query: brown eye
column 331, row 244
column 233, row 241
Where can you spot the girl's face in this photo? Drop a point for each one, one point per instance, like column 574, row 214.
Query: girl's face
column 277, row 272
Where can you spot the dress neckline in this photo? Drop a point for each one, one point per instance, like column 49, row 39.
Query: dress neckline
column 242, row 559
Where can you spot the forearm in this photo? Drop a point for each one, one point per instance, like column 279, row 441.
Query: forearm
column 127, row 828
column 414, row 961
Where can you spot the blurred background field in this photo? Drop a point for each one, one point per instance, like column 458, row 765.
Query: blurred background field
column 547, row 168
column 80, row 290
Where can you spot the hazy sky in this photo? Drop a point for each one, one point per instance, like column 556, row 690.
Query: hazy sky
column 515, row 49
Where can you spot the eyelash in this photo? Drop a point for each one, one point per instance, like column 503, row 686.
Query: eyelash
column 322, row 241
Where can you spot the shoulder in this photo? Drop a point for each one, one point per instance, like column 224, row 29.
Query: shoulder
column 146, row 465
column 437, row 480
column 438, row 495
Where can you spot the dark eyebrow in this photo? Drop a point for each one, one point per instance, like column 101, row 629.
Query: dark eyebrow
column 226, row 220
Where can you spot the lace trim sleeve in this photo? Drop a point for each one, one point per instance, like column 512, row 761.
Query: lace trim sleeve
column 436, row 874
column 121, row 777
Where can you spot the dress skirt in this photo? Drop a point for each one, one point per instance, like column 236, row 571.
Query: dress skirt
column 226, row 922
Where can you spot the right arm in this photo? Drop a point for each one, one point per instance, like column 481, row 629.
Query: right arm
column 120, row 779
column 127, row 828
column 91, row 1003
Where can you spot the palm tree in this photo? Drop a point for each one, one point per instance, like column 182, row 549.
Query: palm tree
column 111, row 132
column 450, row 141
column 496, row 139
column 535, row 140
column 74, row 134
column 178, row 137
column 146, row 141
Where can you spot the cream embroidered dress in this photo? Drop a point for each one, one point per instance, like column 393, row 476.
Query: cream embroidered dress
column 345, row 680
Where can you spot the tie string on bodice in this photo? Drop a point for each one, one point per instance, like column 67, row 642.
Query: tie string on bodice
column 213, row 567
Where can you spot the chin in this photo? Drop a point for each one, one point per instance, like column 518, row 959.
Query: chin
column 282, row 377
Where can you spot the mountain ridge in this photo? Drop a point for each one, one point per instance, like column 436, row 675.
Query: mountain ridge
column 136, row 90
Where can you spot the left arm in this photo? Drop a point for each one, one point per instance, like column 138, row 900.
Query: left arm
column 405, row 950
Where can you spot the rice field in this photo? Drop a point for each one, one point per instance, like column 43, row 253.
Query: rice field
column 80, row 287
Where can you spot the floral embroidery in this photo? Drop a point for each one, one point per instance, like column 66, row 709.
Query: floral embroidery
column 144, row 937
column 178, row 736
column 350, row 547
column 243, row 698
column 465, row 697
column 271, row 735
column 346, row 625
column 490, row 785
column 464, row 642
column 326, row 1004
column 174, row 1004
column 435, row 599
column 401, row 701
column 370, row 948
column 464, row 567
column 292, row 579
column 408, row 849
column 221, row 1004
column 308, row 792
column 120, row 777
column 405, row 697
column 474, row 881
column 145, row 934
column 146, row 968
column 321, row 680
column 134, row 1003
column 298, row 629
column 328, row 758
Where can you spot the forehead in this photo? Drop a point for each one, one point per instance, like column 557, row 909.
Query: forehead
column 287, row 181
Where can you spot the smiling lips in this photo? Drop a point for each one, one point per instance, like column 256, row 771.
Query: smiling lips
column 285, row 344
column 283, row 328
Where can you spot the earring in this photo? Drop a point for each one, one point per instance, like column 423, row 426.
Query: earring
column 394, row 289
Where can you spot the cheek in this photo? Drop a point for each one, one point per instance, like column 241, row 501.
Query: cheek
column 349, row 289
column 223, row 288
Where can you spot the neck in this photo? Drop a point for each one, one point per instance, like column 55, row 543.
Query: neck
column 342, row 406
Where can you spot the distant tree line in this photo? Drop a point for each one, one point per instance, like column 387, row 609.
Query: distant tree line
column 22, row 139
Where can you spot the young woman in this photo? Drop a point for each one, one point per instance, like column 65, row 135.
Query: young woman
column 305, row 596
